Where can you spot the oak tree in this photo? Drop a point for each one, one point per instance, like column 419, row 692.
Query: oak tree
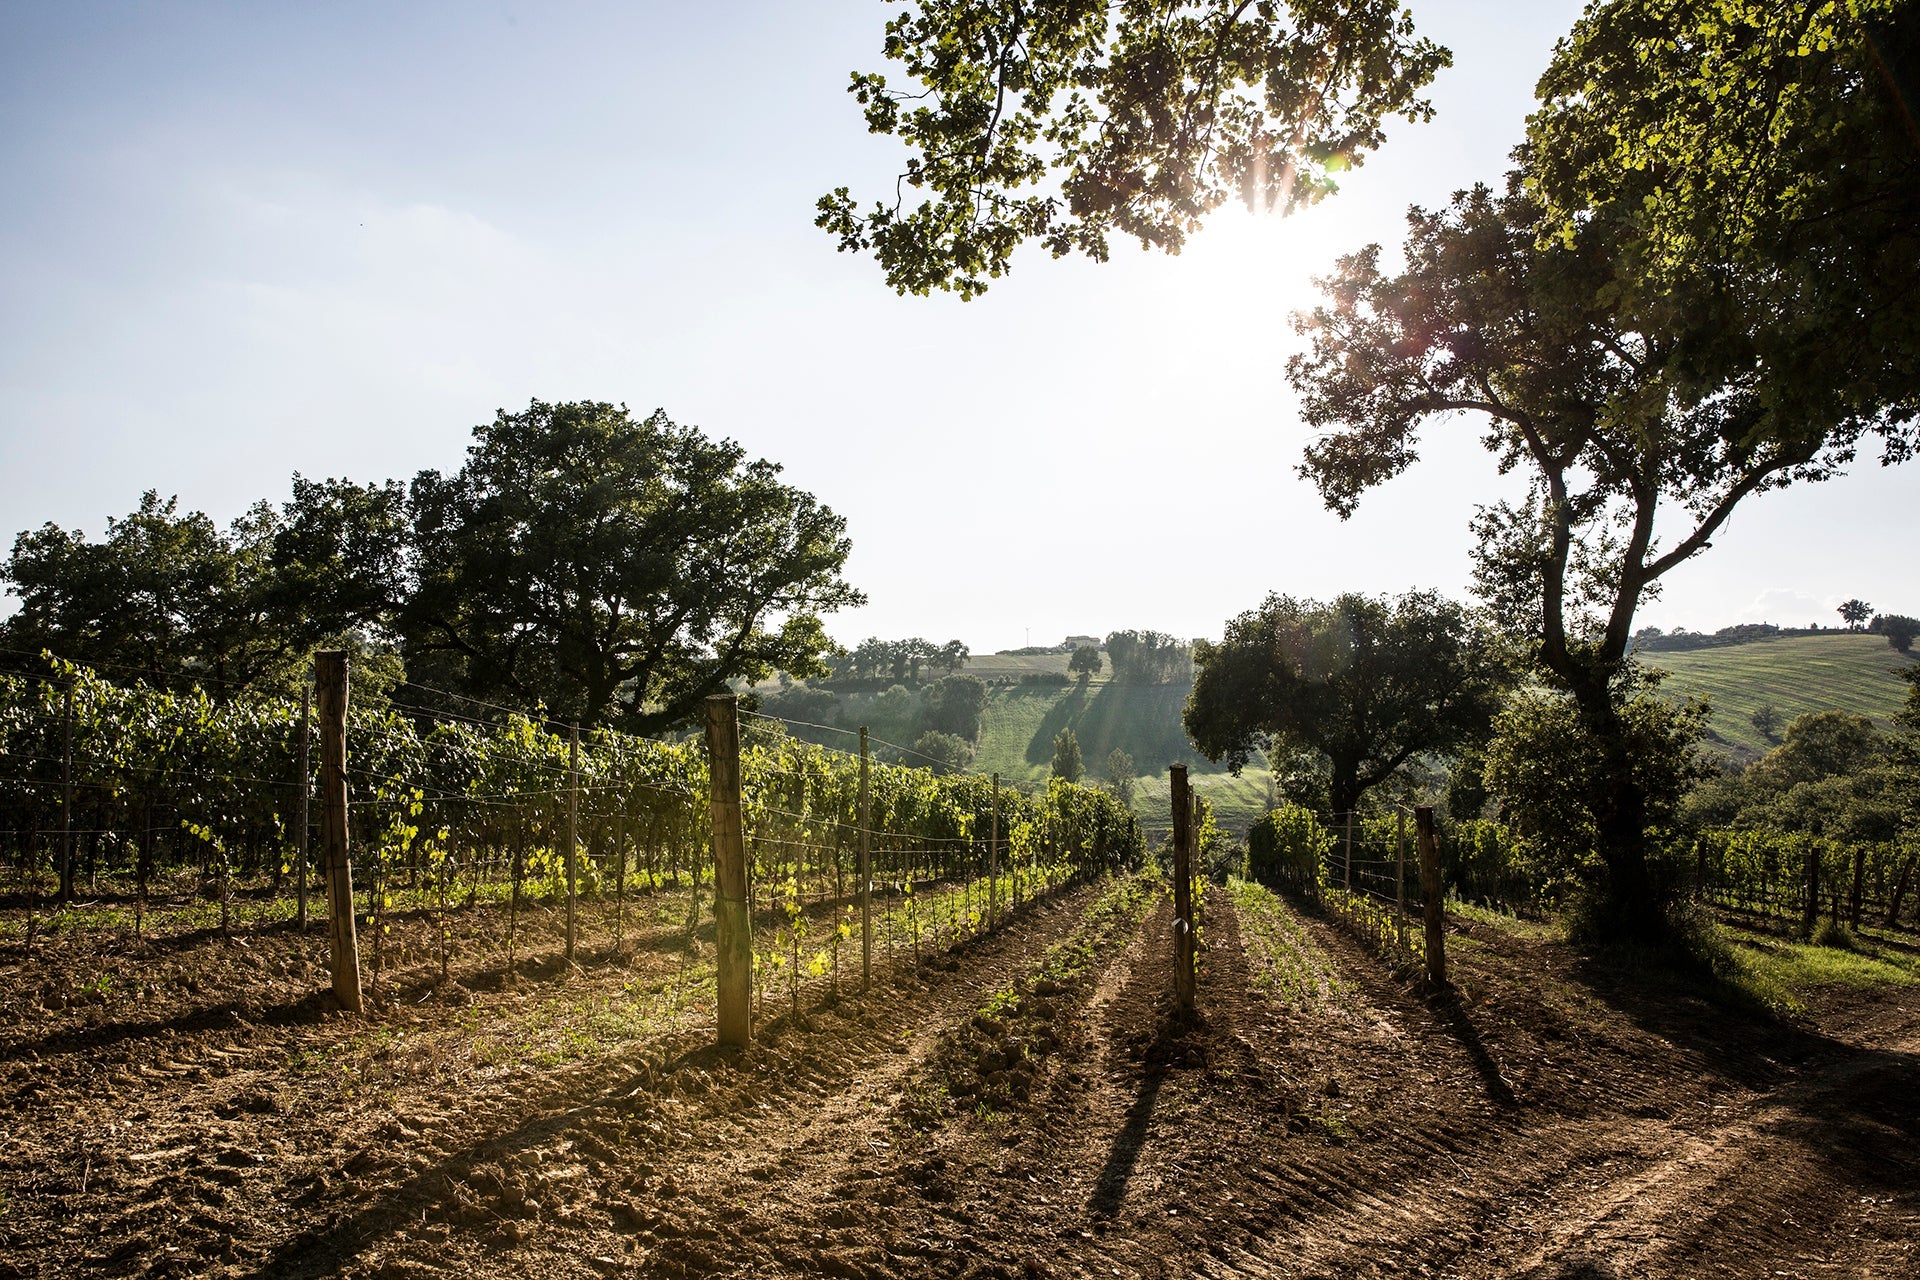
column 1638, row 432
column 617, row 569
column 1364, row 684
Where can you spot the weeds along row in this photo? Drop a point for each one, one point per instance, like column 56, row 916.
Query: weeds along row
column 1360, row 868
column 117, row 800
column 995, row 1059
column 494, row 1019
column 1286, row 965
column 1365, row 868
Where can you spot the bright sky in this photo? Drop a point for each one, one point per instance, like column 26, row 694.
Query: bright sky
column 243, row 240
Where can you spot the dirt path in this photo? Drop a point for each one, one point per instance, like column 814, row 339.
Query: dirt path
column 1555, row 1121
column 1552, row 1119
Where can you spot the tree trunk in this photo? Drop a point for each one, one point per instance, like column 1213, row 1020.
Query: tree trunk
column 1344, row 789
column 1900, row 890
column 1628, row 909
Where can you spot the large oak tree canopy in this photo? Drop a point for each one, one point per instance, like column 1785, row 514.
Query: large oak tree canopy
column 1067, row 121
column 1757, row 162
column 173, row 598
column 1598, row 402
column 618, row 569
column 1702, row 282
column 1367, row 683
column 1600, row 398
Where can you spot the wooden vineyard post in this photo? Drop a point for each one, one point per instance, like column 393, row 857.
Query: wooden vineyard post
column 993, row 854
column 1810, row 912
column 330, row 681
column 1182, row 891
column 573, row 826
column 1430, row 898
column 1859, row 878
column 866, row 872
column 1348, row 885
column 1195, row 870
column 732, row 926
column 66, row 803
column 1400, row 863
column 300, row 804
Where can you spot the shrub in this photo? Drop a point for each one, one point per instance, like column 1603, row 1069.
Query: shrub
column 1285, row 848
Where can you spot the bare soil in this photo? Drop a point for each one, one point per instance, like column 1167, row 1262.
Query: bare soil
column 204, row 1112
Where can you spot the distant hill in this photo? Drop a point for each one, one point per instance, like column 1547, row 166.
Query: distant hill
column 1020, row 723
column 1833, row 671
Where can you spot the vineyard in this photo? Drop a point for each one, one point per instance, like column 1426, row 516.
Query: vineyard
column 534, row 1084
column 132, row 789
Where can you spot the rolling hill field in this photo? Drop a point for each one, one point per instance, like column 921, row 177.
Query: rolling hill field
column 1793, row 674
column 1019, row 725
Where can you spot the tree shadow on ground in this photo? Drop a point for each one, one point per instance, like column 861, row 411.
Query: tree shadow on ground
column 1853, row 1107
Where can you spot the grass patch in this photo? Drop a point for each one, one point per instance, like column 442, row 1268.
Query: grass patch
column 1793, row 674
column 1285, row 962
column 1518, row 926
column 1794, row 969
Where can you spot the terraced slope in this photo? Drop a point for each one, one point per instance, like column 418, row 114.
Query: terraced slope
column 1793, row 674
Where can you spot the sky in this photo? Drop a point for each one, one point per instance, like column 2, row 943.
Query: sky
column 244, row 240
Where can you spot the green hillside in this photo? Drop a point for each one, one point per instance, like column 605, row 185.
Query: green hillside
column 1019, row 725
column 1795, row 674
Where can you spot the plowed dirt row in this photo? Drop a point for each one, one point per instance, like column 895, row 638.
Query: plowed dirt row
column 1550, row 1118
column 176, row 1132
column 1554, row 1120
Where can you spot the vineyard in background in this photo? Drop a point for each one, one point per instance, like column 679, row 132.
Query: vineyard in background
column 1365, row 870
column 117, row 801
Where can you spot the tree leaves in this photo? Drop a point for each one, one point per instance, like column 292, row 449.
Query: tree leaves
column 1070, row 121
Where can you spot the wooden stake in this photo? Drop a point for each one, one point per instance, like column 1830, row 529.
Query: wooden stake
column 573, row 825
column 620, row 874
column 1349, row 873
column 1400, row 864
column 330, row 681
column 300, row 815
column 993, row 853
column 1430, row 894
column 732, row 929
column 1196, row 867
column 1183, row 984
column 866, row 872
column 1810, row 912
column 1859, row 878
column 66, row 803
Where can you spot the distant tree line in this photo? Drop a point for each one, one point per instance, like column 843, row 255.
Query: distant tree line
column 1149, row 657
column 612, row 569
column 901, row 660
column 1899, row 629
